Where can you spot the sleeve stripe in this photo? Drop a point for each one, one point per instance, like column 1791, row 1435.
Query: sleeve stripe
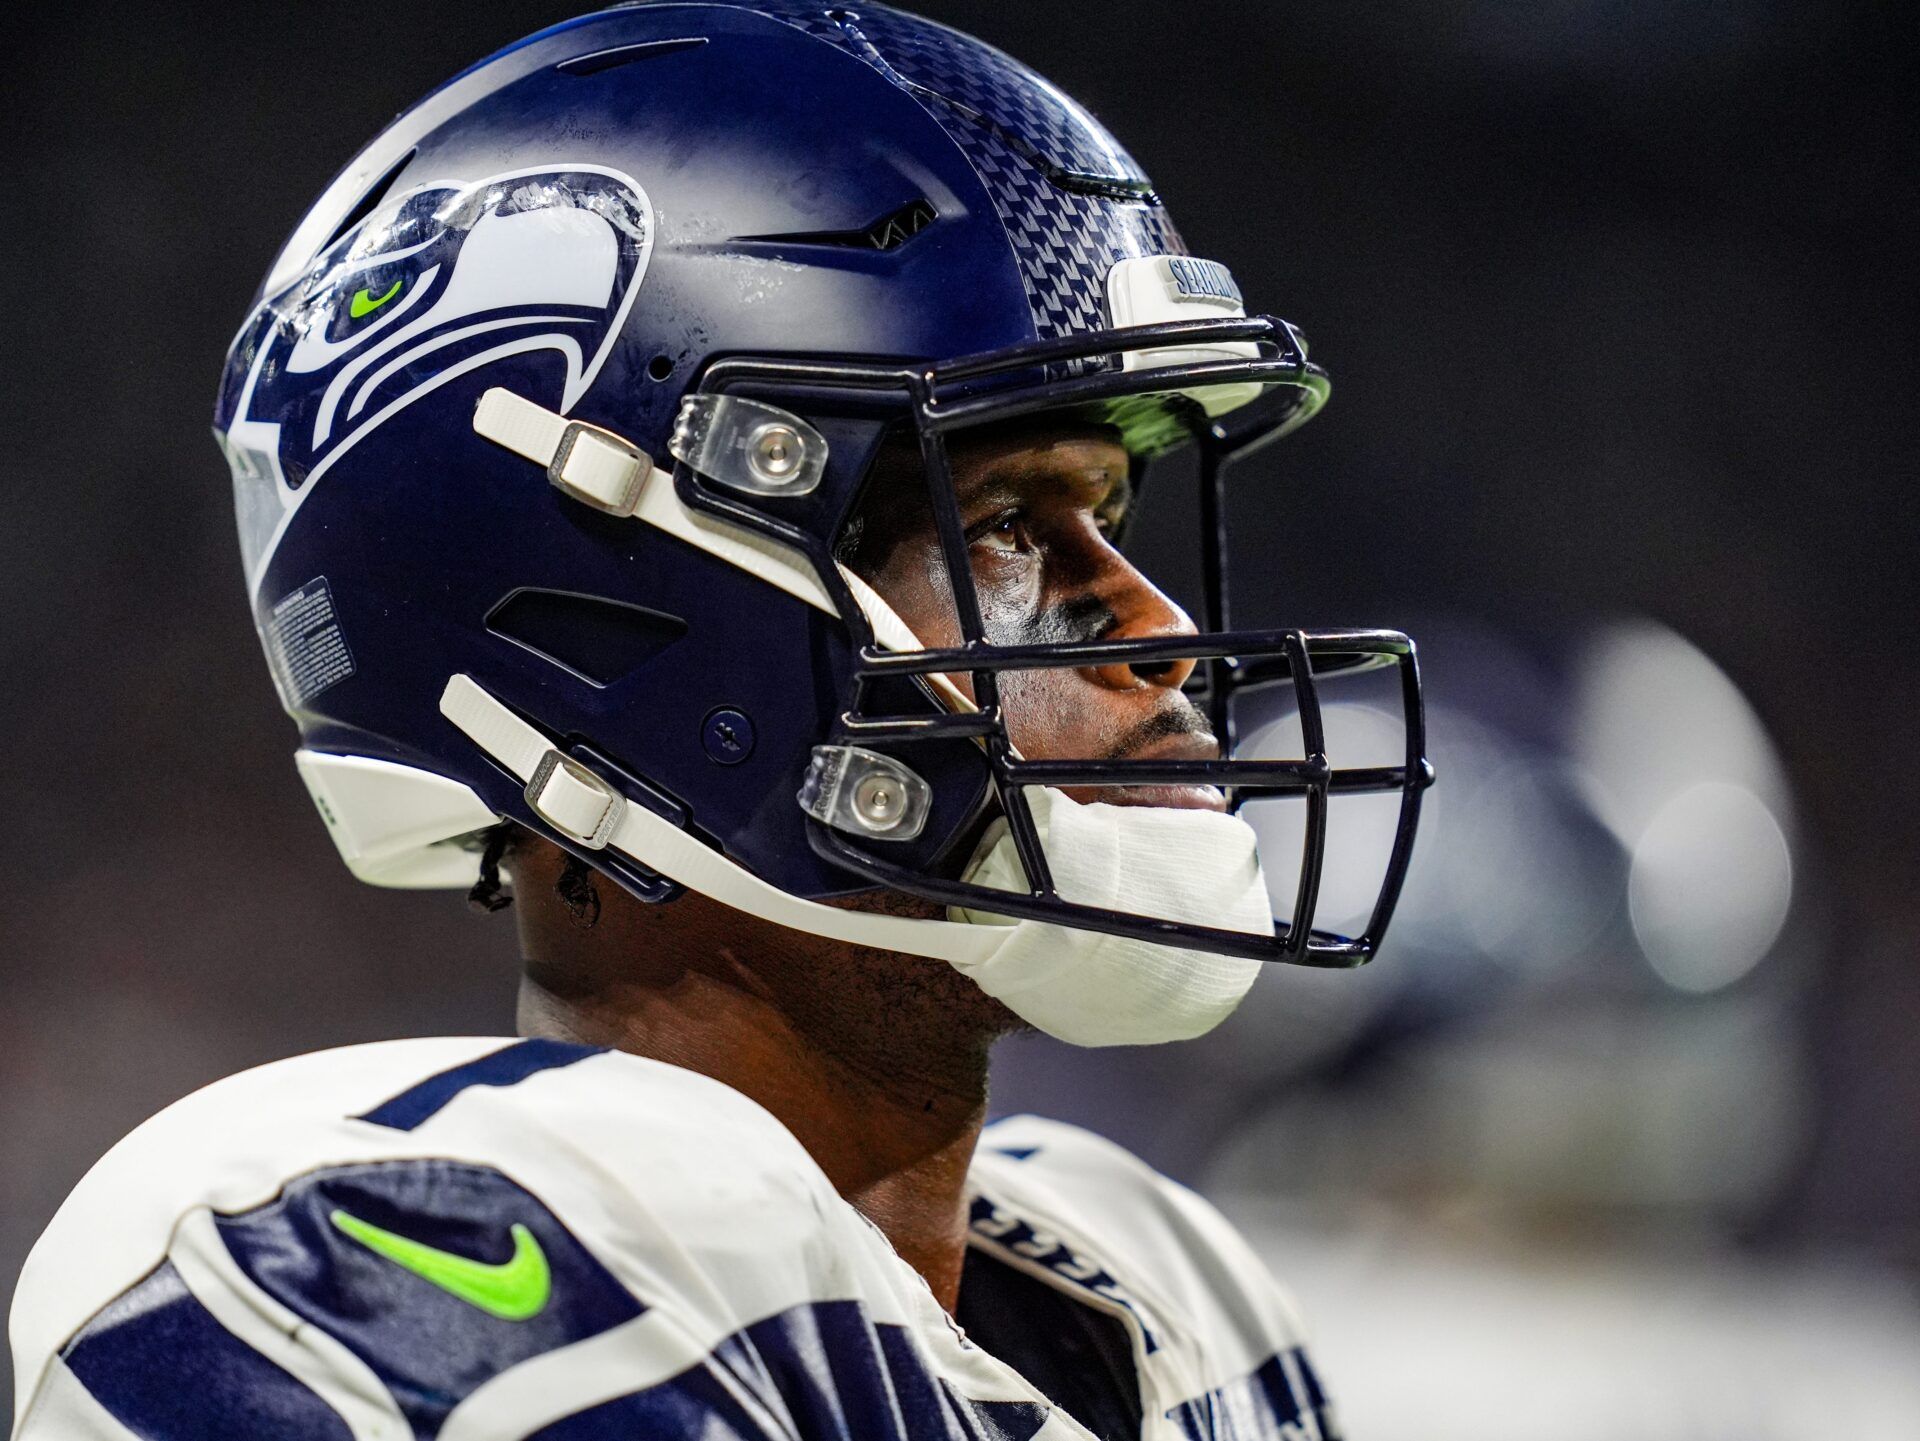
column 647, row 1351
column 823, row 1370
column 1281, row 1401
column 505, row 1067
column 314, row 1356
column 168, row 1371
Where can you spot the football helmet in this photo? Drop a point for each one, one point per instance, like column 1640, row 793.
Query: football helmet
column 554, row 406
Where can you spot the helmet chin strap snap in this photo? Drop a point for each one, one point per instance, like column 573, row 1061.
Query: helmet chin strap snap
column 594, row 466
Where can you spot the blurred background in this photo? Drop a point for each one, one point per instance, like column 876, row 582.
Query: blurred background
column 1621, row 1135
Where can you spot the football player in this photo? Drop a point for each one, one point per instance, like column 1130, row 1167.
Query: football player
column 680, row 469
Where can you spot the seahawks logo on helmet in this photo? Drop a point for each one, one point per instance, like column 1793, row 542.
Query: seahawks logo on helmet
column 444, row 279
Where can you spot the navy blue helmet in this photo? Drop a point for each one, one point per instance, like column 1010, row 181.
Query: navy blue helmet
column 554, row 407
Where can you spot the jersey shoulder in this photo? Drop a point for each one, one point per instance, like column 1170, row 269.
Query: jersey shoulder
column 1161, row 1238
column 543, row 1192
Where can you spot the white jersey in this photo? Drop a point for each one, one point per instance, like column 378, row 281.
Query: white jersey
column 465, row 1238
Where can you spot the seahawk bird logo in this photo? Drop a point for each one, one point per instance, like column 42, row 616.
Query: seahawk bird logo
column 445, row 278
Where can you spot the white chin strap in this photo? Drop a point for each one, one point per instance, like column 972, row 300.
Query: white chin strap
column 1081, row 986
column 611, row 474
column 585, row 809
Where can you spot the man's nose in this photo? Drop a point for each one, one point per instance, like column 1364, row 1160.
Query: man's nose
column 1141, row 610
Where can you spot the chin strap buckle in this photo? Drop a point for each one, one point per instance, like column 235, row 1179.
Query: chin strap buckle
column 560, row 791
column 591, row 465
column 574, row 801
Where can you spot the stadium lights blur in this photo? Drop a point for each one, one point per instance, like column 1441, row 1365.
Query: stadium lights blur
column 1660, row 755
column 1682, row 771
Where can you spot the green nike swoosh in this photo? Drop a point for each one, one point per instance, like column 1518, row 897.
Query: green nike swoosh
column 365, row 304
column 514, row 1290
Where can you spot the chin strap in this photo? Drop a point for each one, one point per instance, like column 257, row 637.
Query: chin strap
column 586, row 810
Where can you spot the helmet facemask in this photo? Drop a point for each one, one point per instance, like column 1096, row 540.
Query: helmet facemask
column 890, row 797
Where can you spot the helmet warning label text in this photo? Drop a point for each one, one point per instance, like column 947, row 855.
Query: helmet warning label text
column 304, row 645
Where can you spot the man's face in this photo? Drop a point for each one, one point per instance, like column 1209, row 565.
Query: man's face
column 1041, row 504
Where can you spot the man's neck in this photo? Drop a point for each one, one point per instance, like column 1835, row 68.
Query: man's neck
column 888, row 1098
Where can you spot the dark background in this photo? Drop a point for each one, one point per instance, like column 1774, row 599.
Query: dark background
column 1612, row 297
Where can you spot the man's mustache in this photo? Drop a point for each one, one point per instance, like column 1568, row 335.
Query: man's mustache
column 1179, row 717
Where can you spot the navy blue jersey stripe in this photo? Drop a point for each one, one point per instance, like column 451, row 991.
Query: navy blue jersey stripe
column 818, row 1372
column 168, row 1371
column 1316, row 1397
column 1263, row 1406
column 695, row 1403
column 507, row 1066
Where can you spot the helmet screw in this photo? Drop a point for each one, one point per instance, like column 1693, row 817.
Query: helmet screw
column 727, row 736
column 774, row 452
column 879, row 802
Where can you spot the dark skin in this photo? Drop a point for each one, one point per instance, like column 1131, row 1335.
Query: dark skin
column 877, row 1061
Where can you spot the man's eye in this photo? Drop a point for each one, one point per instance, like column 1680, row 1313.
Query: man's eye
column 1006, row 532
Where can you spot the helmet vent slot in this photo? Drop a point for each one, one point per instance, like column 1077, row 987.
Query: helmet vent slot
column 889, row 232
column 588, row 636
column 601, row 60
